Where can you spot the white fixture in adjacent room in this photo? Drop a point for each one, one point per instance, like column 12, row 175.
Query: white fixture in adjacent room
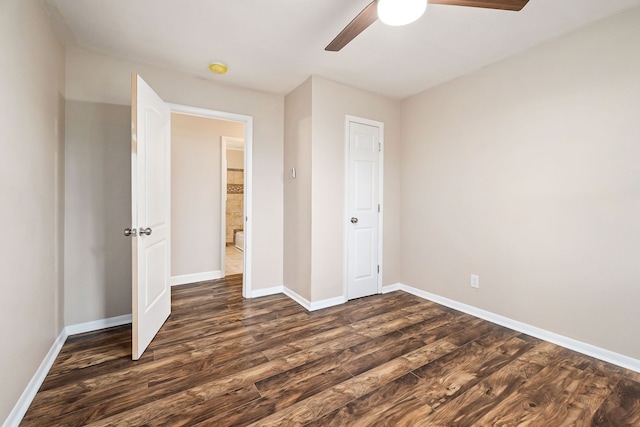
column 240, row 240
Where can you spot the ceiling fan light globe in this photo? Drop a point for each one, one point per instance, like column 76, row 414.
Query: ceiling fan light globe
column 400, row 12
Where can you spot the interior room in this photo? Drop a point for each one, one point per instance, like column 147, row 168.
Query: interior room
column 202, row 236
column 234, row 208
column 479, row 267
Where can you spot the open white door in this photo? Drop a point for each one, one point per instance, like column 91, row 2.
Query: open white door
column 151, row 208
column 363, row 208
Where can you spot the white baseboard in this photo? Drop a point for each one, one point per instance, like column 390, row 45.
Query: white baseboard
column 391, row 288
column 21, row 407
column 265, row 292
column 96, row 325
column 326, row 303
column 566, row 342
column 297, row 298
column 312, row 306
column 194, row 278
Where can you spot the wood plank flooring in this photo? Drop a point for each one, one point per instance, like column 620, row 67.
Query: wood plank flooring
column 385, row 360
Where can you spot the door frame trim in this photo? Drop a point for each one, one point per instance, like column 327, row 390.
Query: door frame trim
column 248, row 173
column 223, row 205
column 380, row 125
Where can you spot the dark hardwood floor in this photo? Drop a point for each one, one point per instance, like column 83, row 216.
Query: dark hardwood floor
column 387, row 360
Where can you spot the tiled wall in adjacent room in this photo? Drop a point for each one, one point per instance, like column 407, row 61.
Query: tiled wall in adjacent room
column 235, row 202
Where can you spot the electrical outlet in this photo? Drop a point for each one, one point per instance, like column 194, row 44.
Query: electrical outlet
column 475, row 281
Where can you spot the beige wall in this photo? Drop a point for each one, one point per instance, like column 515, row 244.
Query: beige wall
column 31, row 188
column 97, row 209
column 297, row 192
column 331, row 103
column 106, row 81
column 527, row 173
column 235, row 158
column 195, row 192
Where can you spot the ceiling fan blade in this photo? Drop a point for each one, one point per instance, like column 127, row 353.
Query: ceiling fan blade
column 514, row 5
column 368, row 16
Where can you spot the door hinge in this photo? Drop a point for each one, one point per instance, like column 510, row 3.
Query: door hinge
column 378, row 269
column 378, row 207
column 379, row 146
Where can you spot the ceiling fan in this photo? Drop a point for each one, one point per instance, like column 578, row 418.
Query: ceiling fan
column 370, row 14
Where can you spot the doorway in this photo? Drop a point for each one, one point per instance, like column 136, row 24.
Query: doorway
column 209, row 229
column 232, row 153
column 153, row 163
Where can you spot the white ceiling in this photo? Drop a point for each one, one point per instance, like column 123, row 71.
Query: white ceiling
column 274, row 45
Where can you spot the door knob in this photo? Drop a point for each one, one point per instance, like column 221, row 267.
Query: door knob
column 130, row 232
column 354, row 220
column 146, row 231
